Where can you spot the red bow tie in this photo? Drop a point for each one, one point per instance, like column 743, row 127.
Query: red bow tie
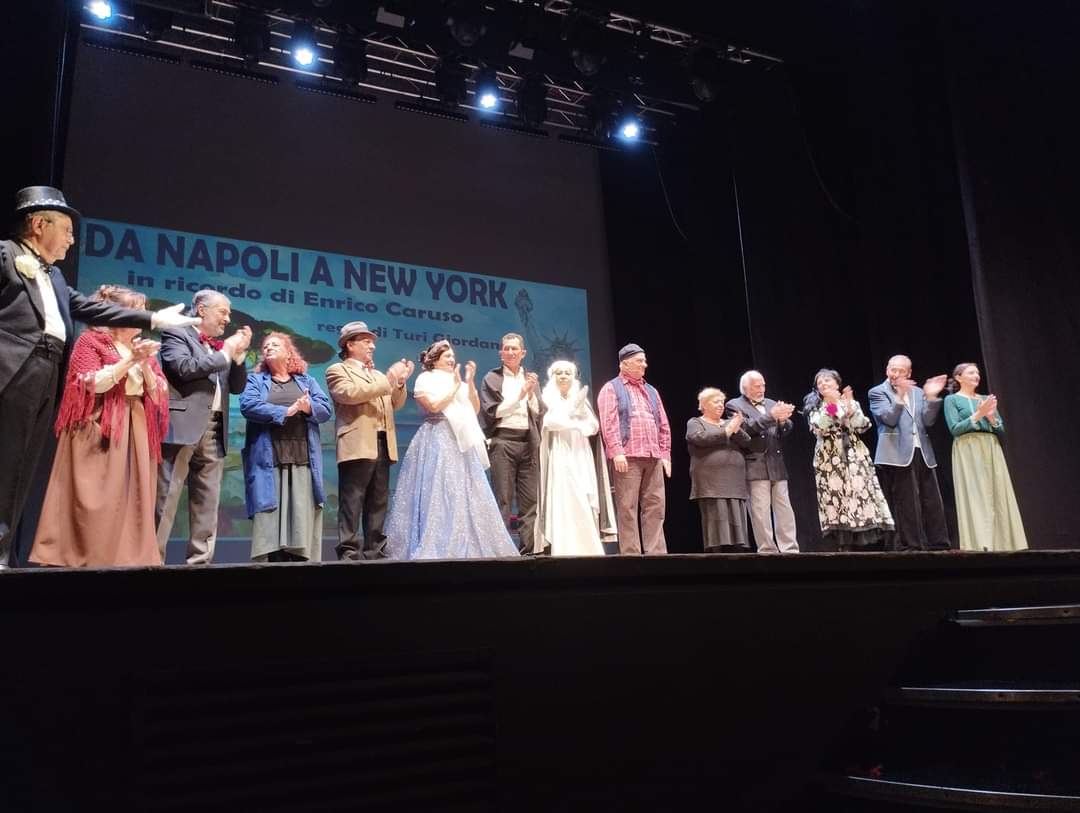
column 215, row 344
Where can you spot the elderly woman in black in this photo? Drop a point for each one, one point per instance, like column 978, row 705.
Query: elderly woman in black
column 718, row 473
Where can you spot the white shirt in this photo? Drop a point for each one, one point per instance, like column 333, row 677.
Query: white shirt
column 513, row 413
column 216, row 406
column 902, row 399
column 54, row 322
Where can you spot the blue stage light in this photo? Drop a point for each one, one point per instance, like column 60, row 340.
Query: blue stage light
column 303, row 44
column 487, row 88
column 100, row 9
column 630, row 130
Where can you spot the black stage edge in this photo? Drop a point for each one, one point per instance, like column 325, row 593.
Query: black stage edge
column 619, row 684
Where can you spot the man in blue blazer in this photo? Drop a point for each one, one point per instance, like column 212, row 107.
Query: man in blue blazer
column 903, row 413
column 37, row 313
column 202, row 371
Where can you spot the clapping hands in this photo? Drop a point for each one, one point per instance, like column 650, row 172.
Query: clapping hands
column 734, row 424
column 301, row 404
column 987, row 408
column 143, row 349
column 933, row 386
column 782, row 410
column 237, row 344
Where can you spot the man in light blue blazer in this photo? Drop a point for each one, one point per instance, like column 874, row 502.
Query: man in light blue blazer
column 902, row 413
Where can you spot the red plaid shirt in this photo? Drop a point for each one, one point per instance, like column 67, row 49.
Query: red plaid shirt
column 644, row 440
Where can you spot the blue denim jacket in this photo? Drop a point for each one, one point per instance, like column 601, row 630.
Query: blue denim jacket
column 258, row 452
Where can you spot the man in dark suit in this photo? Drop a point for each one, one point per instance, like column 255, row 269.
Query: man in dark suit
column 903, row 413
column 202, row 370
column 511, row 414
column 767, row 422
column 37, row 310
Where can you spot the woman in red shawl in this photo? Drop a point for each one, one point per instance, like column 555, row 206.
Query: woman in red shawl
column 99, row 508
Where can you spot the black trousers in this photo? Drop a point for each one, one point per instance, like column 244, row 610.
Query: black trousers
column 915, row 500
column 26, row 416
column 515, row 475
column 363, row 496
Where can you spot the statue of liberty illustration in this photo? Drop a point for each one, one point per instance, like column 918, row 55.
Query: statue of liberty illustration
column 543, row 350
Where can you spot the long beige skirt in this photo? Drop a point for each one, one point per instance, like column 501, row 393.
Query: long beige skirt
column 987, row 516
column 99, row 507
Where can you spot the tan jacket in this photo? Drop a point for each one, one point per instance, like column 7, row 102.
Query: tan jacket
column 356, row 393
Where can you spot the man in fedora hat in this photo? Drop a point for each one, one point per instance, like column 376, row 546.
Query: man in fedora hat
column 637, row 438
column 364, row 404
column 37, row 311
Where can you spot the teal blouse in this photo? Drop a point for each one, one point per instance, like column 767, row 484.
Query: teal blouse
column 958, row 411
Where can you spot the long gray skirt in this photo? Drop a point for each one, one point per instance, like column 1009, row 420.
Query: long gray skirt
column 295, row 526
column 723, row 523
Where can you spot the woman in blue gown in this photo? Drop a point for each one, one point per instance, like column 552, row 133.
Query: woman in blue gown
column 443, row 506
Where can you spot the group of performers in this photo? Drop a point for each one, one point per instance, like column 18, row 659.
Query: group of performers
column 139, row 420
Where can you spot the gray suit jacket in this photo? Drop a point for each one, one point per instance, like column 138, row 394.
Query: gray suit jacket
column 193, row 373
column 894, row 421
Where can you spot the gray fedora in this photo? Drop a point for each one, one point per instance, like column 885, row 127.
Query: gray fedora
column 41, row 198
column 352, row 330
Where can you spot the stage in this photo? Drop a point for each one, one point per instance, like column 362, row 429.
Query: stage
column 669, row 683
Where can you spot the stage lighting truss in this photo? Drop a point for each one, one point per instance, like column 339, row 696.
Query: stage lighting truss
column 396, row 66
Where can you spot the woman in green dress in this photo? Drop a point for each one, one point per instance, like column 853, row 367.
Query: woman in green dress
column 986, row 512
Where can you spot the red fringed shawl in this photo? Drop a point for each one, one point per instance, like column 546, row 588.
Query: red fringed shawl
column 94, row 350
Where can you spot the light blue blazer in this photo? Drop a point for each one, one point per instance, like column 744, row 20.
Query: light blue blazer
column 895, row 446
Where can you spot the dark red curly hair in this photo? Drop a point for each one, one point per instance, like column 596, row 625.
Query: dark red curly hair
column 296, row 361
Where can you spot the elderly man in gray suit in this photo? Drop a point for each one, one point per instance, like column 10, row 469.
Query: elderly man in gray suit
column 767, row 422
column 202, row 370
column 903, row 413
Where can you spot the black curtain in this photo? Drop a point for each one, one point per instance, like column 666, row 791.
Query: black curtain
column 1013, row 89
column 824, row 227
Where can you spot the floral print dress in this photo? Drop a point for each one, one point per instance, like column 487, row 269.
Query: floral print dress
column 848, row 493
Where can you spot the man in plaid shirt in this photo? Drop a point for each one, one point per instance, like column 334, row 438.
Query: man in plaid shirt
column 637, row 437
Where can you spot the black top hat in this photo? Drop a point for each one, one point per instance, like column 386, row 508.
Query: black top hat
column 39, row 198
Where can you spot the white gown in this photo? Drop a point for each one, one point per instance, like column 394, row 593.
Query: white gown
column 568, row 516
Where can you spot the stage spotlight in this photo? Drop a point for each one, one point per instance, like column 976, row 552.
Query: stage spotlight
column 303, row 44
column 350, row 59
column 630, row 129
column 450, row 79
column 100, row 9
column 152, row 22
column 704, row 67
column 487, row 88
column 252, row 37
column 467, row 23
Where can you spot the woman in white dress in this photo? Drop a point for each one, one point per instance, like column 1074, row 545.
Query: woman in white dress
column 575, row 513
column 443, row 507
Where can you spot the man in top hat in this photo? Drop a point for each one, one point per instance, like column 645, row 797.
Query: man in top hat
column 364, row 404
column 637, row 437
column 511, row 415
column 37, row 309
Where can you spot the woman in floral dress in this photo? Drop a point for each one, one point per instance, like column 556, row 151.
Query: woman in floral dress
column 851, row 506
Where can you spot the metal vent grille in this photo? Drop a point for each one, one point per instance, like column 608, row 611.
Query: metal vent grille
column 358, row 736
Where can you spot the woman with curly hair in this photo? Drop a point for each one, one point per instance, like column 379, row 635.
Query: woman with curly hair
column 851, row 506
column 99, row 507
column 443, row 506
column 282, row 455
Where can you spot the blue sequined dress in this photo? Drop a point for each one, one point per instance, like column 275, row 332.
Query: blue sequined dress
column 443, row 506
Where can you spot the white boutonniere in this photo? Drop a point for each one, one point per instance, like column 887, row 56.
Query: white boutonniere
column 27, row 265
